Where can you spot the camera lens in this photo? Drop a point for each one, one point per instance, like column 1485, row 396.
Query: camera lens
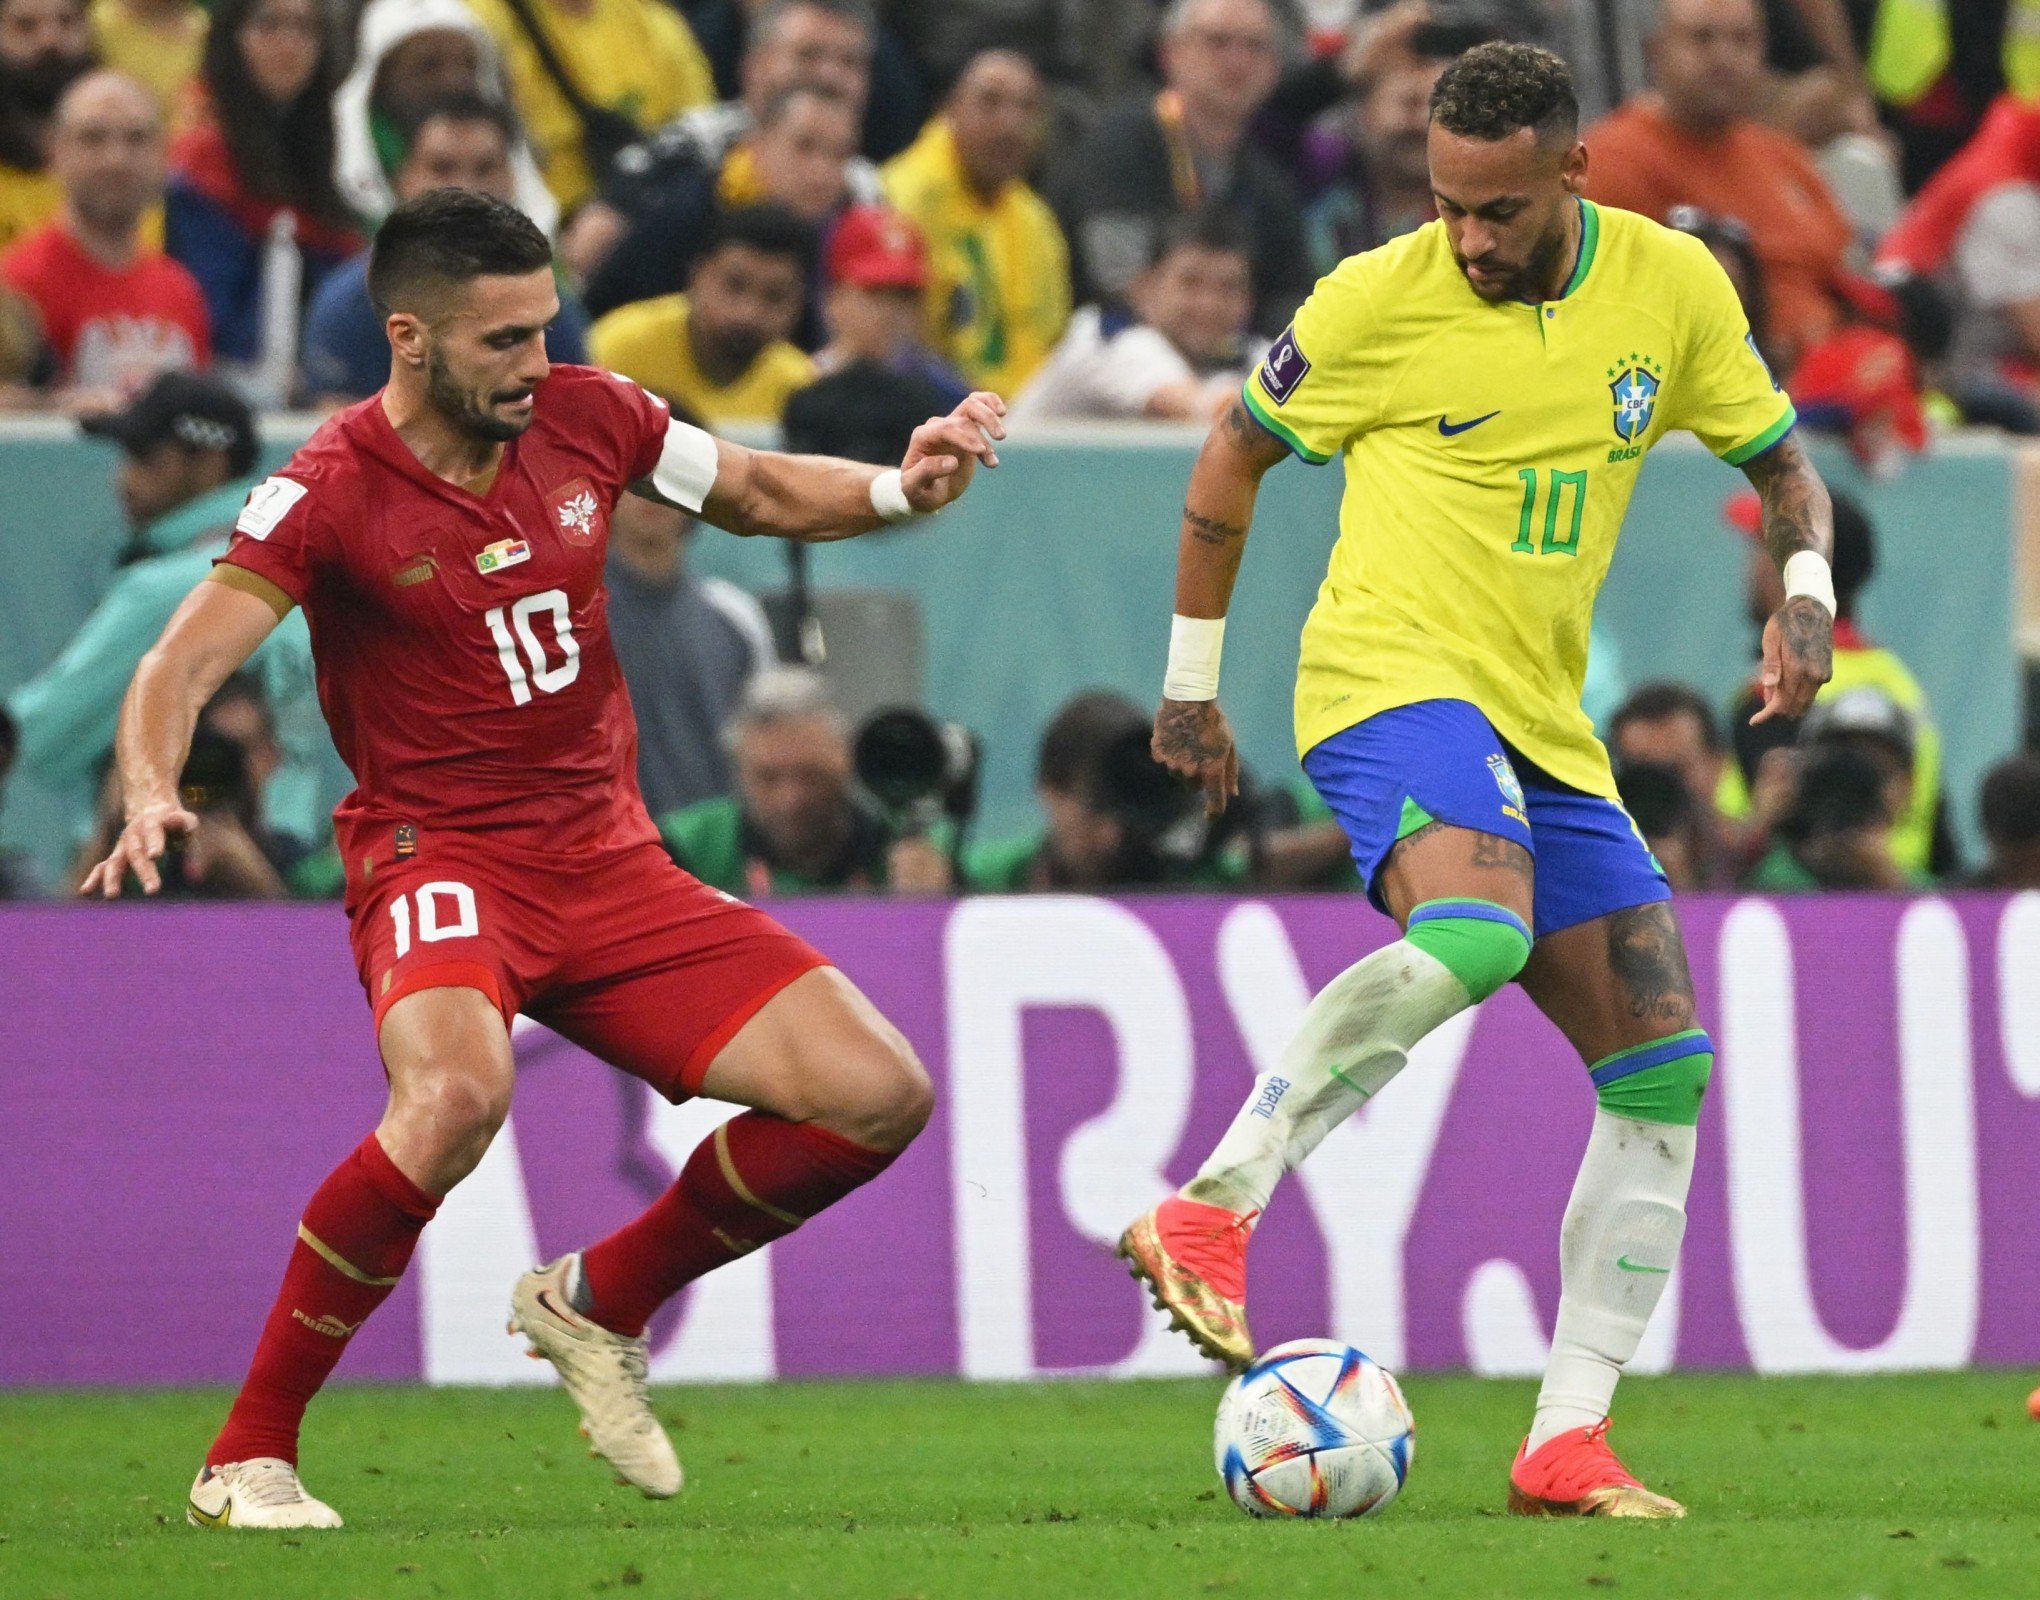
column 902, row 757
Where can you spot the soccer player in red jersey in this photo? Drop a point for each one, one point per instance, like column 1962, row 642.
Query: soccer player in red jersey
column 446, row 539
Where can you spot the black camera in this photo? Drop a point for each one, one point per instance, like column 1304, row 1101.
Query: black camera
column 918, row 769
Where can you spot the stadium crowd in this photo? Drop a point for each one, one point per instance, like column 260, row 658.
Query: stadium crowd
column 837, row 217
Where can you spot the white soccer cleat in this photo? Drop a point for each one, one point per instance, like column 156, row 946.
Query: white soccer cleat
column 260, row 1493
column 604, row 1372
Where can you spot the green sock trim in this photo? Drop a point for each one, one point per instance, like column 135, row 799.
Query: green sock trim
column 1670, row 1092
column 1483, row 950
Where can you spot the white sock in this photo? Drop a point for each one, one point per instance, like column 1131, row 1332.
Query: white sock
column 1618, row 1243
column 1355, row 1036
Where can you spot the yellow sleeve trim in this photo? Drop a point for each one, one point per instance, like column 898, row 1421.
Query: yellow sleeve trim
column 1281, row 430
column 253, row 583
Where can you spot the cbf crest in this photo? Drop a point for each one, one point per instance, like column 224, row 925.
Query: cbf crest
column 1634, row 383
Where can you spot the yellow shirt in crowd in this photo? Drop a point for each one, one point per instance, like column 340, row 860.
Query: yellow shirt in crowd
column 647, row 341
column 999, row 271
column 163, row 54
column 634, row 56
column 27, row 200
column 1490, row 453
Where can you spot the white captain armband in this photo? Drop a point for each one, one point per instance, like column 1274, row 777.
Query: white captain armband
column 687, row 466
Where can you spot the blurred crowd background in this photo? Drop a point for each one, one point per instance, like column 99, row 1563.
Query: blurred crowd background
column 831, row 218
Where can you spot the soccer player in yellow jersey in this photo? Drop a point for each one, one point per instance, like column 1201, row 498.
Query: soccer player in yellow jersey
column 1492, row 382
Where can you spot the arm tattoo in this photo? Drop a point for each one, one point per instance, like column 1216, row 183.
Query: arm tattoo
column 1183, row 732
column 1649, row 961
column 1211, row 530
column 1797, row 513
column 1251, row 438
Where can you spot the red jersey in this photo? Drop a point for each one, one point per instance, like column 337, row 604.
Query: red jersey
column 109, row 327
column 462, row 640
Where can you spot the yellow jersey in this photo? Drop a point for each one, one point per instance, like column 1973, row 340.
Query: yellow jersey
column 1490, row 453
column 638, row 57
column 647, row 342
column 998, row 269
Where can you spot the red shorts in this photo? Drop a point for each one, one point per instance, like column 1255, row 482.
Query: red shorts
column 620, row 951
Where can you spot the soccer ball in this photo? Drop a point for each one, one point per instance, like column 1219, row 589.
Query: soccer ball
column 1313, row 1429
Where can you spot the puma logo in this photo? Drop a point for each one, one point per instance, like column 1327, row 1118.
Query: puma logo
column 418, row 570
column 328, row 1324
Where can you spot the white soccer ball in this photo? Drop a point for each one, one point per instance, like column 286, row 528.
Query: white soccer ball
column 1314, row 1429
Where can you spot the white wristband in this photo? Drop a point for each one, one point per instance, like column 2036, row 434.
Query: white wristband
column 889, row 497
column 1195, row 644
column 1807, row 573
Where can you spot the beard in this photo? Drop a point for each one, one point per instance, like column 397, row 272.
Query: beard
column 468, row 409
column 1529, row 281
column 29, row 92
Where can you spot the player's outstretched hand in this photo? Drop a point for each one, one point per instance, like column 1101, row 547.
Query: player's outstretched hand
column 1193, row 740
column 1799, row 647
column 944, row 453
column 140, row 845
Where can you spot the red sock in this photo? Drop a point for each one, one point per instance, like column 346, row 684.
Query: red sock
column 357, row 1235
column 755, row 1180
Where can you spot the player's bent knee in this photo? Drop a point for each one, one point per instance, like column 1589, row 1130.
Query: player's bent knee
column 1481, row 944
column 1661, row 1081
column 885, row 1100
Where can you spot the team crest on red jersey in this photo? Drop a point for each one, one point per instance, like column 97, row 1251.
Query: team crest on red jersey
column 577, row 512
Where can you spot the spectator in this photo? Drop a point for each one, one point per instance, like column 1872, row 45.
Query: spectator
column 1671, row 822
column 1671, row 727
column 1921, row 836
column 1382, row 186
column 2011, row 824
column 158, row 43
column 1098, row 48
column 796, row 824
column 1185, row 150
column 115, row 311
column 1107, row 807
column 411, row 54
column 877, row 271
column 44, row 47
column 188, row 455
column 1181, row 356
column 796, row 156
column 878, row 380
column 1692, row 140
column 821, row 42
column 239, row 713
column 463, row 142
column 633, row 63
column 1975, row 227
column 999, row 291
column 723, row 349
column 253, row 211
column 688, row 646
column 1851, row 781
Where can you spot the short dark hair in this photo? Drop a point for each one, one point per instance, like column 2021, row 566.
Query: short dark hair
column 463, row 105
column 1855, row 551
column 1074, row 743
column 1657, row 702
column 1496, row 88
column 449, row 236
column 770, row 229
column 2011, row 801
column 1208, row 228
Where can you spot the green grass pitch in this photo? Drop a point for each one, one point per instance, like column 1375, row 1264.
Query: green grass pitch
column 1884, row 1487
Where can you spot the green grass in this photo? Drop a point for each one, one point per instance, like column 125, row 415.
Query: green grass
column 1842, row 1487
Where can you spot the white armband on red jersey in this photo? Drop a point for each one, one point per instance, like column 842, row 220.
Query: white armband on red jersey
column 687, row 466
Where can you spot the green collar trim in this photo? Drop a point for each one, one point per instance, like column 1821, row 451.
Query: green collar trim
column 1590, row 239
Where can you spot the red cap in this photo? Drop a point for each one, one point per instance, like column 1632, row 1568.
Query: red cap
column 873, row 248
column 1744, row 512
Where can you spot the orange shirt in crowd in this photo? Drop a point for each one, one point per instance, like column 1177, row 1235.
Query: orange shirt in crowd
column 1640, row 160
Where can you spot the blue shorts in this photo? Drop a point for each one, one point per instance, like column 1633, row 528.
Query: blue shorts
column 1442, row 761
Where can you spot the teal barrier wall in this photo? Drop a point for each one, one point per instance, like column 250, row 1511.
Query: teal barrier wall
column 1055, row 574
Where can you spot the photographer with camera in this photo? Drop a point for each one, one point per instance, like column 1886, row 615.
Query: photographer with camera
column 798, row 823
column 1114, row 818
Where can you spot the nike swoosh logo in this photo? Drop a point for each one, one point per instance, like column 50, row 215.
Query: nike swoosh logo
column 1636, row 1266
column 1452, row 430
